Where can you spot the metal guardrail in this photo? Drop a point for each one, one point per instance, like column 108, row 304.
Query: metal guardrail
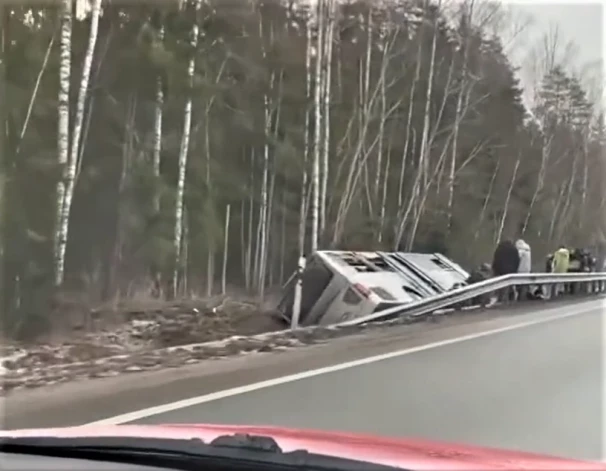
column 457, row 296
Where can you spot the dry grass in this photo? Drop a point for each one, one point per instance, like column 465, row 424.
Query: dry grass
column 74, row 315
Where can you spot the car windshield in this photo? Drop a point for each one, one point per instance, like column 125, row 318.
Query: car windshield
column 369, row 230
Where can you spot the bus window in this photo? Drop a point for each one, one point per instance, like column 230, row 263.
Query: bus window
column 351, row 297
column 383, row 293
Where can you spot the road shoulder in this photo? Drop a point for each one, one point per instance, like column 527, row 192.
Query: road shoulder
column 90, row 400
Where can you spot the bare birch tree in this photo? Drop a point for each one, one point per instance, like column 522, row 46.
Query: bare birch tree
column 184, row 150
column 158, row 114
column 72, row 164
column 326, row 99
column 319, row 26
column 467, row 15
column 303, row 206
column 63, row 135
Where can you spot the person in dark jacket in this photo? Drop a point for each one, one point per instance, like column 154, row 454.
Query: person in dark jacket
column 549, row 263
column 506, row 260
column 580, row 262
column 593, row 264
column 576, row 261
column 587, row 265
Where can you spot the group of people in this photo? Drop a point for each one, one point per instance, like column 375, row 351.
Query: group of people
column 516, row 257
column 565, row 260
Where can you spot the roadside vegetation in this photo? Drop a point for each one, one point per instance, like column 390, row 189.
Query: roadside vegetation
column 195, row 149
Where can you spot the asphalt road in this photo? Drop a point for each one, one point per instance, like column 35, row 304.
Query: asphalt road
column 537, row 388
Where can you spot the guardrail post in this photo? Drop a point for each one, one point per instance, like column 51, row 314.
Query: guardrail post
column 507, row 295
column 521, row 291
column 548, row 291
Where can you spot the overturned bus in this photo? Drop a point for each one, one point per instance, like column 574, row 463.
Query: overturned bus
column 338, row 286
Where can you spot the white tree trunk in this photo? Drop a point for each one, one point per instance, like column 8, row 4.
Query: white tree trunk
column 563, row 216
column 210, row 255
column 315, row 173
column 210, row 258
column 480, row 221
column 326, row 98
column 32, row 99
column 383, row 118
column 157, row 139
column 410, row 133
column 545, row 153
column 77, row 132
column 514, row 176
column 306, row 141
column 63, row 132
column 424, row 151
column 263, row 207
column 183, row 152
column 381, row 123
column 248, row 260
column 422, row 170
column 468, row 12
column 225, row 250
column 585, row 185
column 383, row 210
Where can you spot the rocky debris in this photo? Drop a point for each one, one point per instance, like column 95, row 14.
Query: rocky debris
column 191, row 323
column 143, row 329
column 47, row 365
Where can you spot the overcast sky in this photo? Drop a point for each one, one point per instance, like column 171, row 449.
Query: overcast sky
column 581, row 22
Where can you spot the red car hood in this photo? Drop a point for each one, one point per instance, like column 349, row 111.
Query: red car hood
column 410, row 454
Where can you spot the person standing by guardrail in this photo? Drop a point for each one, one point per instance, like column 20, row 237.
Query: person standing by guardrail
column 548, row 290
column 581, row 261
column 588, row 265
column 561, row 263
column 549, row 263
column 506, row 260
column 525, row 265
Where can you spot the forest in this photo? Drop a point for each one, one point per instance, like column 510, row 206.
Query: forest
column 200, row 147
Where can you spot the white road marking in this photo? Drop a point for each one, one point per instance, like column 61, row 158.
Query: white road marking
column 151, row 411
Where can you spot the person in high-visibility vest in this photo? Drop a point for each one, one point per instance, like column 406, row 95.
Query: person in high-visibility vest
column 561, row 263
column 561, row 260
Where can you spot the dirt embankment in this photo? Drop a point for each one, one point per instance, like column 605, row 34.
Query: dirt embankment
column 132, row 336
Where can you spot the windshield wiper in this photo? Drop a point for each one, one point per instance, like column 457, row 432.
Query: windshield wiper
column 225, row 453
